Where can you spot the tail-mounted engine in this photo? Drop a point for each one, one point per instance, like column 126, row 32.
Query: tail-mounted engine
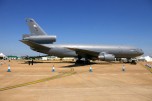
column 41, row 39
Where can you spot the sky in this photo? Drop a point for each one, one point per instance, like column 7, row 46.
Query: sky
column 110, row 22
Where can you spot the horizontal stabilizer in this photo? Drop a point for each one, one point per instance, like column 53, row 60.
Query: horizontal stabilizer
column 36, row 46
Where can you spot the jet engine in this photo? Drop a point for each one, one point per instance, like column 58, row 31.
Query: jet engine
column 106, row 57
column 41, row 39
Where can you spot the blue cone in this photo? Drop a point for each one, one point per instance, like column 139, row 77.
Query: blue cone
column 9, row 68
column 123, row 68
column 53, row 69
column 90, row 70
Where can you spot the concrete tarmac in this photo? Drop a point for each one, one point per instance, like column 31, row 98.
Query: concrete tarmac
column 107, row 82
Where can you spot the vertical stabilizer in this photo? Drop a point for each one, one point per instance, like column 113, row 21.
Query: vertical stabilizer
column 34, row 28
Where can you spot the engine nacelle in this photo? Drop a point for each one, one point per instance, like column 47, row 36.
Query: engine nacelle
column 106, row 57
column 41, row 39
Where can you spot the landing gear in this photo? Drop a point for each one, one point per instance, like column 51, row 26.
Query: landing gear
column 133, row 62
column 82, row 61
column 79, row 61
column 129, row 60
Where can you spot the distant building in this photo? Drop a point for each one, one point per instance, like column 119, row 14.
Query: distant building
column 68, row 59
column 44, row 58
column 12, row 57
column 141, row 58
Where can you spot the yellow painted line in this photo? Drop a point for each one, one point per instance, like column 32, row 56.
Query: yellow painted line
column 39, row 81
column 150, row 69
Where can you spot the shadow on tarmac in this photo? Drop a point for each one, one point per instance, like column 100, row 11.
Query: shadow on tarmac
column 73, row 64
column 36, row 62
column 78, row 65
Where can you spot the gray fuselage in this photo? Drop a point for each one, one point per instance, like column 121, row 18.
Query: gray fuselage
column 118, row 51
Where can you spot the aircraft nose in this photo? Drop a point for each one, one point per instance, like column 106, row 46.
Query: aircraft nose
column 141, row 52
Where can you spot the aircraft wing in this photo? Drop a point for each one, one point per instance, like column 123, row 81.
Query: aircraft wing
column 35, row 46
column 84, row 52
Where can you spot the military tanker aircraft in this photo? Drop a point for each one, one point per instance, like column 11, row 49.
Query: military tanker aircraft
column 38, row 40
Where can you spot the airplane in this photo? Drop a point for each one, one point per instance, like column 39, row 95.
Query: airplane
column 38, row 40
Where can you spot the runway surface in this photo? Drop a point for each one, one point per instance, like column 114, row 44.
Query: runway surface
column 70, row 82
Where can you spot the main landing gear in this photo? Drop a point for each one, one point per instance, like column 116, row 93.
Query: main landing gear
column 82, row 61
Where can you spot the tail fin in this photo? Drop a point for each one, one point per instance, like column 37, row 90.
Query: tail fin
column 34, row 28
